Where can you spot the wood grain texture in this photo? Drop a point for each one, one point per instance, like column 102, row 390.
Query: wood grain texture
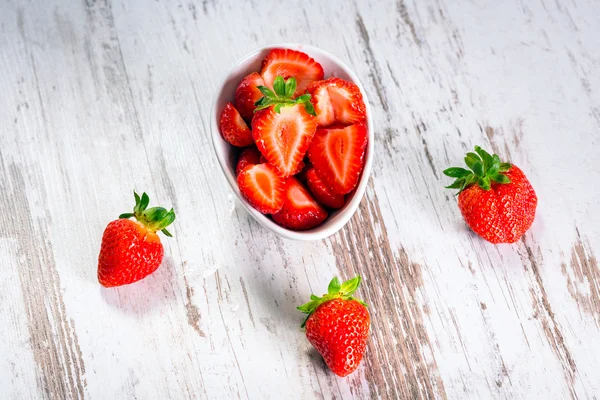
column 103, row 96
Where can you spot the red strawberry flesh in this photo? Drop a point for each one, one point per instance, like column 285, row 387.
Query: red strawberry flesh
column 337, row 100
column 247, row 94
column 284, row 137
column 339, row 330
column 300, row 210
column 288, row 63
column 338, row 156
column 263, row 187
column 248, row 156
column 234, row 128
column 129, row 253
column 321, row 192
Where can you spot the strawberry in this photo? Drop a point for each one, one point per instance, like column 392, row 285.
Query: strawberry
column 322, row 193
column 283, row 127
column 248, row 156
column 338, row 156
column 338, row 326
column 263, row 187
column 233, row 128
column 247, row 94
column 300, row 210
column 301, row 176
column 291, row 63
column 496, row 199
column 337, row 100
column 131, row 250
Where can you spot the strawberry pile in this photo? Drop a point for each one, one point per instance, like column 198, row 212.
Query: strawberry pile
column 303, row 138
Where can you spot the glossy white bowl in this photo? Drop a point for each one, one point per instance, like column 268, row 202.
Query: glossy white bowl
column 227, row 154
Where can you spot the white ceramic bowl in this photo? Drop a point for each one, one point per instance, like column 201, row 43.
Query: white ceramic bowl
column 227, row 154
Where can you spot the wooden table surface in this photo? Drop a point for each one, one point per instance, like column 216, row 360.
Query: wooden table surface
column 99, row 97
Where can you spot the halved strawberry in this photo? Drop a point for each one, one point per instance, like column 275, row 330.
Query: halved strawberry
column 263, row 187
column 248, row 156
column 338, row 156
column 300, row 210
column 247, row 94
column 322, row 193
column 288, row 63
column 233, row 128
column 319, row 93
column 337, row 100
column 284, row 137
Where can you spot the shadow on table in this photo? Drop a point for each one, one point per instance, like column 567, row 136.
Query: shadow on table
column 142, row 297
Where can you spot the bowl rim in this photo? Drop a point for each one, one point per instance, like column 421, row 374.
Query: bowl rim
column 324, row 230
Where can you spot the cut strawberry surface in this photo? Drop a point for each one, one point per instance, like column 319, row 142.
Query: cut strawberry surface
column 233, row 128
column 291, row 63
column 248, row 156
column 338, row 156
column 284, row 137
column 320, row 99
column 263, row 187
column 300, row 210
column 337, row 100
column 322, row 193
column 247, row 94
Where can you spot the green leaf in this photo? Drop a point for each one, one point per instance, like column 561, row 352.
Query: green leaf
column 266, row 91
column 484, row 183
column 308, row 307
column 471, row 179
column 493, row 169
column 314, row 297
column 485, row 156
column 478, row 169
column 126, row 215
column 290, row 87
column 504, row 167
column 457, row 184
column 262, row 101
column 279, row 86
column 350, row 286
column 334, row 286
column 303, row 99
column 137, row 198
column 144, row 202
column 166, row 232
column 501, row 178
column 155, row 214
column 456, row 172
column 471, row 158
column 309, row 108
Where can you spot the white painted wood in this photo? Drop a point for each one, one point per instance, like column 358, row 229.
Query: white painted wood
column 100, row 97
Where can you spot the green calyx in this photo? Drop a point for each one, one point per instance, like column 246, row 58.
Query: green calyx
column 155, row 218
column 336, row 290
column 281, row 96
column 485, row 169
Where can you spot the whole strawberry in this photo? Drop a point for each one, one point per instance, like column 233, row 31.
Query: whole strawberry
column 338, row 326
column 496, row 199
column 131, row 250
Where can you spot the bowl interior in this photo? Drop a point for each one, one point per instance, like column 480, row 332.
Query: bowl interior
column 228, row 154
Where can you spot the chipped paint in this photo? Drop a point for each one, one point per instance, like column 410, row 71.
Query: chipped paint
column 410, row 368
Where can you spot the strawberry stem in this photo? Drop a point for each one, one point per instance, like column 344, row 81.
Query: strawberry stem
column 282, row 95
column 155, row 218
column 335, row 290
column 484, row 169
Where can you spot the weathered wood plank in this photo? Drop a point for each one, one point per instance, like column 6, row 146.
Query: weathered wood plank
column 100, row 97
